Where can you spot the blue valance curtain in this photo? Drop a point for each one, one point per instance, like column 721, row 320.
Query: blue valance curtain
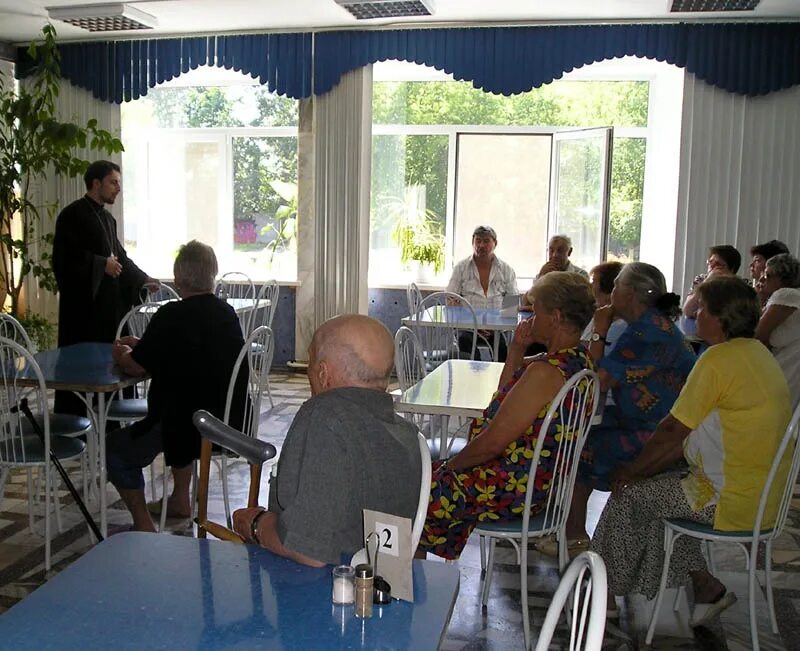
column 744, row 58
column 119, row 71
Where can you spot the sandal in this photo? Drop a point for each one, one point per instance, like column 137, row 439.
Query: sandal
column 712, row 610
column 549, row 546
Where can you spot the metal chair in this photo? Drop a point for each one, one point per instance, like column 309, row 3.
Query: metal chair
column 21, row 450
column 269, row 294
column 236, row 285
column 439, row 319
column 749, row 541
column 256, row 347
column 572, row 410
column 585, row 579
column 414, row 298
column 422, row 505
column 163, row 293
column 255, row 452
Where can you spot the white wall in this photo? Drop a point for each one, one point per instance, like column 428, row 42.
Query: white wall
column 739, row 175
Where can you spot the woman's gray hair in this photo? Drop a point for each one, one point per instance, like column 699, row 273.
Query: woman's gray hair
column 195, row 268
column 733, row 302
column 646, row 281
column 787, row 268
column 568, row 292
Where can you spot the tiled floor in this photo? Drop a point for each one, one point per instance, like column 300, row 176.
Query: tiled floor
column 499, row 627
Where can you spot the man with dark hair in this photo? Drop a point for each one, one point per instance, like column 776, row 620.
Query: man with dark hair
column 760, row 253
column 97, row 282
column 483, row 279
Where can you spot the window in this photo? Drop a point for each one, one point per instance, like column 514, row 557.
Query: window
column 213, row 157
column 434, row 160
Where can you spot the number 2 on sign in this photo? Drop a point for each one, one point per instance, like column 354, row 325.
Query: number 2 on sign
column 388, row 538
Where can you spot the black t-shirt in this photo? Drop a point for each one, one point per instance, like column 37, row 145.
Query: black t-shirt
column 189, row 349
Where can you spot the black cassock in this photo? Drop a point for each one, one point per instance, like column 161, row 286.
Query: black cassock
column 91, row 303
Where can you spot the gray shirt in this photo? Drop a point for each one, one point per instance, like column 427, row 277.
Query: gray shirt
column 345, row 451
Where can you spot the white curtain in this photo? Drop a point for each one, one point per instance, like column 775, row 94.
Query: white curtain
column 739, row 174
column 335, row 158
column 75, row 105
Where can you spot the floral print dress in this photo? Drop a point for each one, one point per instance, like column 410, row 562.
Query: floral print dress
column 495, row 490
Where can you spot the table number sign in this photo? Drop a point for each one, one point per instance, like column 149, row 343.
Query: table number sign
column 395, row 551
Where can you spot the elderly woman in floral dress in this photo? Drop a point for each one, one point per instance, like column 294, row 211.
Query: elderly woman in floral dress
column 488, row 479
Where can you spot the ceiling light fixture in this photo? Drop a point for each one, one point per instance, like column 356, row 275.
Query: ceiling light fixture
column 104, row 18
column 368, row 9
column 713, row 5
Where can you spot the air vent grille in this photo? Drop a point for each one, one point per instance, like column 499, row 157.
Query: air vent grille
column 369, row 9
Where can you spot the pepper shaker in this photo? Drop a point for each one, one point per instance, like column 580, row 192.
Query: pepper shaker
column 364, row 581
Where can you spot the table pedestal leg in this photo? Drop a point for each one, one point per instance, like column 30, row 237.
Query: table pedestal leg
column 444, row 425
column 101, row 475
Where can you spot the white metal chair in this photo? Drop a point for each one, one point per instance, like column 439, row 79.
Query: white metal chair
column 21, row 450
column 237, row 285
column 163, row 293
column 422, row 505
column 414, row 298
column 253, row 352
column 748, row 541
column 269, row 293
column 450, row 314
column 572, row 409
column 585, row 579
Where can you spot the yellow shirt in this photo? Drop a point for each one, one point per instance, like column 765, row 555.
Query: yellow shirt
column 736, row 401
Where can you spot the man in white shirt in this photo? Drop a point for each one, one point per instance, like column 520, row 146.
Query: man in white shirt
column 558, row 251
column 483, row 279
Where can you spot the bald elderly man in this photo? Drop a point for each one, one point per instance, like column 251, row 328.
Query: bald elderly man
column 345, row 451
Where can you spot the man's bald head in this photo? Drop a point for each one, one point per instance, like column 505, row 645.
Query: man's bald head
column 351, row 350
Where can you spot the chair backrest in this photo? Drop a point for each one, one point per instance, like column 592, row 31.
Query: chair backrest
column 422, row 504
column 255, row 452
column 409, row 362
column 790, row 438
column 137, row 319
column 572, row 411
column 257, row 355
column 237, row 285
column 12, row 329
column 13, row 359
column 586, row 580
column 163, row 293
column 449, row 314
column 414, row 298
column 263, row 316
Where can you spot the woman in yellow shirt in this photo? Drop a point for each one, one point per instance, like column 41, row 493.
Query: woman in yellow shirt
column 727, row 424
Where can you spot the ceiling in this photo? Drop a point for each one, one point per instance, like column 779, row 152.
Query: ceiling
column 21, row 20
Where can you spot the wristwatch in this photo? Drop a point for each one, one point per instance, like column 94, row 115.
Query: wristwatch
column 254, row 526
column 596, row 336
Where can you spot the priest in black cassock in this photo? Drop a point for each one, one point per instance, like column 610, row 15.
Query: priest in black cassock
column 97, row 282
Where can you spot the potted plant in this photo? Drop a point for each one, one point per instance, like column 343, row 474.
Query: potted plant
column 35, row 144
column 418, row 233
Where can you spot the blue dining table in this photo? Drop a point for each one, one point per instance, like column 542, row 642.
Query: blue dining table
column 155, row 591
column 86, row 369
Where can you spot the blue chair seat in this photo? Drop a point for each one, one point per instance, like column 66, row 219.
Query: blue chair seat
column 128, row 409
column 510, row 526
column 33, row 450
column 706, row 529
column 60, row 425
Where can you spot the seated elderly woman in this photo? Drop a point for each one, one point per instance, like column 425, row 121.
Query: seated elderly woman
column 602, row 277
column 487, row 480
column 779, row 326
column 644, row 373
column 723, row 260
column 729, row 417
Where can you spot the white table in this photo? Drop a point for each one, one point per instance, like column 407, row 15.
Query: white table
column 457, row 387
column 461, row 318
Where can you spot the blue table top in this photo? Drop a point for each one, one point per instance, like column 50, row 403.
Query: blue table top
column 488, row 319
column 155, row 591
column 80, row 367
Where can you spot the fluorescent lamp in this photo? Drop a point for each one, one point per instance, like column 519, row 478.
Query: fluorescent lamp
column 104, row 18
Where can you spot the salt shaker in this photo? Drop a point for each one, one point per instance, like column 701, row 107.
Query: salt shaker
column 364, row 580
column 343, row 588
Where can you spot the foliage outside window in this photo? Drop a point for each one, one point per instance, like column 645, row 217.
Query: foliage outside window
column 219, row 163
column 420, row 160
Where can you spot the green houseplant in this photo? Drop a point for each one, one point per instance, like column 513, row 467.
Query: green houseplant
column 36, row 144
column 417, row 230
